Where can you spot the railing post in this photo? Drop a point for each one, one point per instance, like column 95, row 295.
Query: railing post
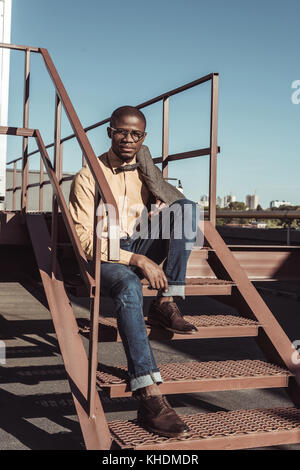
column 60, row 163
column 58, row 170
column 14, row 187
column 213, row 148
column 288, row 232
column 94, row 312
column 54, row 236
column 24, row 201
column 41, row 190
column 165, row 136
column 57, row 137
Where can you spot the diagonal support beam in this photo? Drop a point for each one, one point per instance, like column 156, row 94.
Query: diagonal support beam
column 272, row 330
column 95, row 430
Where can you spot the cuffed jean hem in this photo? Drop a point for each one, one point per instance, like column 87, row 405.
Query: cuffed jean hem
column 174, row 290
column 145, row 381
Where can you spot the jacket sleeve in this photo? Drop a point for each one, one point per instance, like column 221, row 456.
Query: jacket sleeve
column 154, row 179
column 81, row 204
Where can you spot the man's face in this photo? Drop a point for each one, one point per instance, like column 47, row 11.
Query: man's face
column 124, row 146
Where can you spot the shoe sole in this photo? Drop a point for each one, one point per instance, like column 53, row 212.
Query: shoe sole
column 164, row 433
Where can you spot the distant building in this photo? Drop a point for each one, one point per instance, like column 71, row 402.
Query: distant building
column 252, row 201
column 220, row 201
column 228, row 199
column 276, row 204
column 249, row 225
column 258, row 224
column 204, row 201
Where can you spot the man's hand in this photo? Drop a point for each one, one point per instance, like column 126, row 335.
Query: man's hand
column 151, row 271
column 159, row 205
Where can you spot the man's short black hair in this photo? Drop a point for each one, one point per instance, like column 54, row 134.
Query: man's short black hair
column 125, row 110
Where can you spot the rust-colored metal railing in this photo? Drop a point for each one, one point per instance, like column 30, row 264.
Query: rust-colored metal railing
column 61, row 100
column 243, row 297
column 165, row 159
column 103, row 191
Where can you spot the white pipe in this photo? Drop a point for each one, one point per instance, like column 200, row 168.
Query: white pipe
column 5, row 31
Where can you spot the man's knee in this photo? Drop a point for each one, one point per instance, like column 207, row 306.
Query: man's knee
column 129, row 287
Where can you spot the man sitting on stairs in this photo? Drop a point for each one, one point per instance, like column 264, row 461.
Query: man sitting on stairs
column 148, row 238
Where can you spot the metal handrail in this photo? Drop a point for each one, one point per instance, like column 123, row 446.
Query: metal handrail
column 18, row 47
column 195, row 153
column 91, row 159
column 80, row 134
column 82, row 261
column 102, row 187
column 281, row 214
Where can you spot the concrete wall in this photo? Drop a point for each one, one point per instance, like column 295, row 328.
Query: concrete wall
column 33, row 193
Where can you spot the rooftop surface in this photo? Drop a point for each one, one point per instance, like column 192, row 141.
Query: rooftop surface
column 37, row 407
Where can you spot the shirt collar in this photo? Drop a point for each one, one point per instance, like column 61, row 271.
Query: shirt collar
column 115, row 162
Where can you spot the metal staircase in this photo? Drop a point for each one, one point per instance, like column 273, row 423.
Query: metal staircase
column 213, row 271
column 219, row 430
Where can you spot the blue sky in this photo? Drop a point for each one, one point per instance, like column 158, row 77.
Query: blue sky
column 113, row 53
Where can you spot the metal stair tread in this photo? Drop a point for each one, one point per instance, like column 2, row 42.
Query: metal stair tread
column 218, row 430
column 194, row 286
column 209, row 326
column 190, row 280
column 195, row 370
column 199, row 281
column 195, row 376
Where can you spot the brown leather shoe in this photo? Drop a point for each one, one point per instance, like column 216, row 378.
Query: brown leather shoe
column 168, row 316
column 156, row 415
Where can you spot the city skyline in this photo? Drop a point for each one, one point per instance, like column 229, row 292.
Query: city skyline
column 275, row 203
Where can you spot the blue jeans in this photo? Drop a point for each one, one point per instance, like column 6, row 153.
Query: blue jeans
column 169, row 236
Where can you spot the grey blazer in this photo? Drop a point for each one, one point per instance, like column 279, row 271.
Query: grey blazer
column 154, row 180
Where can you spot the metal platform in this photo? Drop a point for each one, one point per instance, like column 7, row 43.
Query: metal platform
column 214, row 431
column 194, row 286
column 209, row 326
column 199, row 286
column 189, row 377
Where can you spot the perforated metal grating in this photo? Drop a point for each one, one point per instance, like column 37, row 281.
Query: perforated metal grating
column 207, row 281
column 201, row 281
column 128, row 434
column 188, row 371
column 219, row 320
column 200, row 321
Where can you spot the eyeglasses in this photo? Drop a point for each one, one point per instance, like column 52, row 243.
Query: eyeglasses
column 135, row 135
